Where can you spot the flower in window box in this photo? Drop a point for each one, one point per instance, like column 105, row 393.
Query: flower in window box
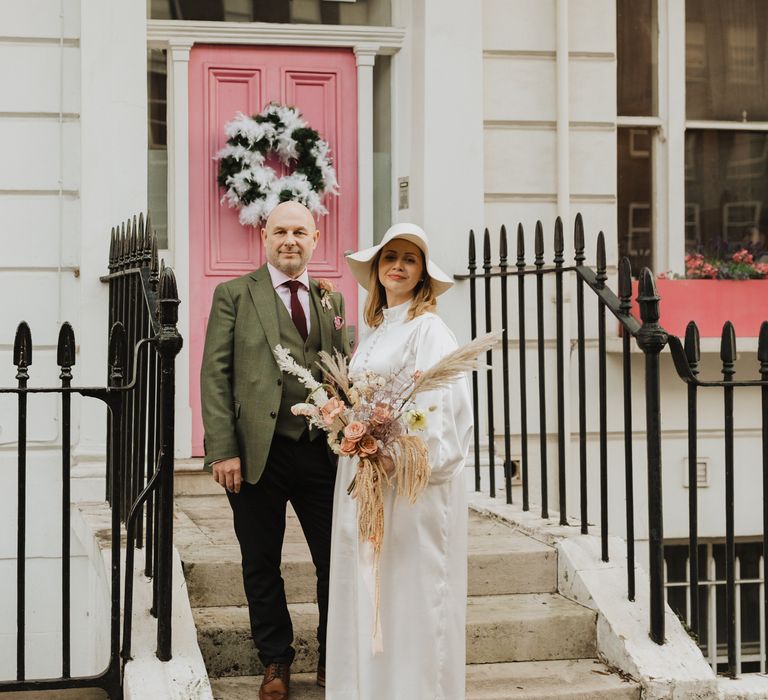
column 740, row 266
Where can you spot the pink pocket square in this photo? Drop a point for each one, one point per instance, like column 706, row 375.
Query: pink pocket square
column 338, row 322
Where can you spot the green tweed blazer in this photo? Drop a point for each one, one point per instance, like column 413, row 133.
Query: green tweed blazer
column 241, row 384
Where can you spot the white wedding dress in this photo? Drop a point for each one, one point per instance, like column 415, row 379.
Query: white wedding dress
column 423, row 565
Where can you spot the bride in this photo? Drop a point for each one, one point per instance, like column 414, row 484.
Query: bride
column 419, row 652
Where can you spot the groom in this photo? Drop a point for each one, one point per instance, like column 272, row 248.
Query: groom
column 261, row 453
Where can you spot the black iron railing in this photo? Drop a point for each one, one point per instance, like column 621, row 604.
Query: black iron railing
column 651, row 338
column 139, row 396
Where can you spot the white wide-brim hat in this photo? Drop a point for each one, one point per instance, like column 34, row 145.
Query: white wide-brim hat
column 361, row 261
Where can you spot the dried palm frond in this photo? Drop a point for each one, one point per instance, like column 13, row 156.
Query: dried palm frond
column 367, row 490
column 456, row 363
column 411, row 459
column 335, row 367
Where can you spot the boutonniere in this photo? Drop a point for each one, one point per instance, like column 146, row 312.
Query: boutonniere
column 326, row 287
column 338, row 322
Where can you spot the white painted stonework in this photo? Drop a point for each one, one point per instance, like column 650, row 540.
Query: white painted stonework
column 183, row 677
column 503, row 111
column 675, row 670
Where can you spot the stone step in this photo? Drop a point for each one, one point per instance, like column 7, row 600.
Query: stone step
column 189, row 479
column 61, row 694
column 500, row 629
column 579, row 679
column 501, row 560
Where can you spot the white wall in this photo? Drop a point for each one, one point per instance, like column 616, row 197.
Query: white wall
column 114, row 171
column 73, row 124
column 39, row 193
column 522, row 184
column 438, row 132
column 73, row 139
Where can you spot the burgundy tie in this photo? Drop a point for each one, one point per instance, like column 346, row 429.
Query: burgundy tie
column 297, row 311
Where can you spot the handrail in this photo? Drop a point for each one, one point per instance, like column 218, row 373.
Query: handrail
column 651, row 338
column 143, row 344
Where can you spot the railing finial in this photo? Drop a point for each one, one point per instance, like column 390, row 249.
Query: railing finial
column 503, row 246
column 601, row 274
column 648, row 298
column 538, row 245
column 169, row 341
column 762, row 347
column 578, row 240
column 559, row 242
column 122, row 247
column 472, row 253
column 486, row 250
column 148, row 236
column 129, row 244
column 134, row 241
column 154, row 275
column 65, row 350
column 728, row 350
column 142, row 237
column 520, row 247
column 112, row 248
column 22, row 349
column 625, row 285
column 693, row 346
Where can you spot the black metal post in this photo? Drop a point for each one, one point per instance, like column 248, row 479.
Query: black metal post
column 728, row 358
column 489, row 363
column 65, row 359
column 520, row 264
column 578, row 235
column 762, row 357
column 559, row 259
column 22, row 358
column 625, row 306
column 117, row 352
column 651, row 339
column 693, row 355
column 505, row 363
column 539, row 264
column 169, row 344
column 473, row 332
column 600, row 279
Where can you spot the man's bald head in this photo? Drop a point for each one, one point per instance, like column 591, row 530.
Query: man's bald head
column 290, row 236
column 292, row 209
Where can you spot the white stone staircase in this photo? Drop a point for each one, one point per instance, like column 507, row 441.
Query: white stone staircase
column 524, row 640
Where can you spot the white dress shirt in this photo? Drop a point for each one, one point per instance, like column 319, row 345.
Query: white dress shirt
column 278, row 282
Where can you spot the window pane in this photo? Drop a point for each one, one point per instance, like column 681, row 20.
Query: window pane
column 726, row 59
column 636, row 55
column 635, row 196
column 157, row 156
column 726, row 191
column 361, row 12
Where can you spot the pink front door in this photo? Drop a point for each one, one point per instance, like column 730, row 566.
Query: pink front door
column 322, row 83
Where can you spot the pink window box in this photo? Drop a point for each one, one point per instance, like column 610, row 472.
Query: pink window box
column 710, row 303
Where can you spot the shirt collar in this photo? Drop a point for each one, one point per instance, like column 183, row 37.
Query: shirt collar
column 279, row 277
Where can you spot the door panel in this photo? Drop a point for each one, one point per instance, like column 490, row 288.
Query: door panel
column 322, row 83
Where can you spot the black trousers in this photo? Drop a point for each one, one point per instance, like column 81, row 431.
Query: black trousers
column 304, row 474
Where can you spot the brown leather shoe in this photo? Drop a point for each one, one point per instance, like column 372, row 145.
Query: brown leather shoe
column 321, row 675
column 276, row 682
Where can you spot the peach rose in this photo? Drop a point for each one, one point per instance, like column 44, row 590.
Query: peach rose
column 368, row 445
column 354, row 431
column 331, row 409
column 381, row 414
column 348, row 447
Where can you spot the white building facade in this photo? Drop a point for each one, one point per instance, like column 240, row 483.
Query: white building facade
column 650, row 118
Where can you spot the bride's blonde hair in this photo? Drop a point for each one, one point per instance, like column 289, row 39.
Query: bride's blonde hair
column 424, row 298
